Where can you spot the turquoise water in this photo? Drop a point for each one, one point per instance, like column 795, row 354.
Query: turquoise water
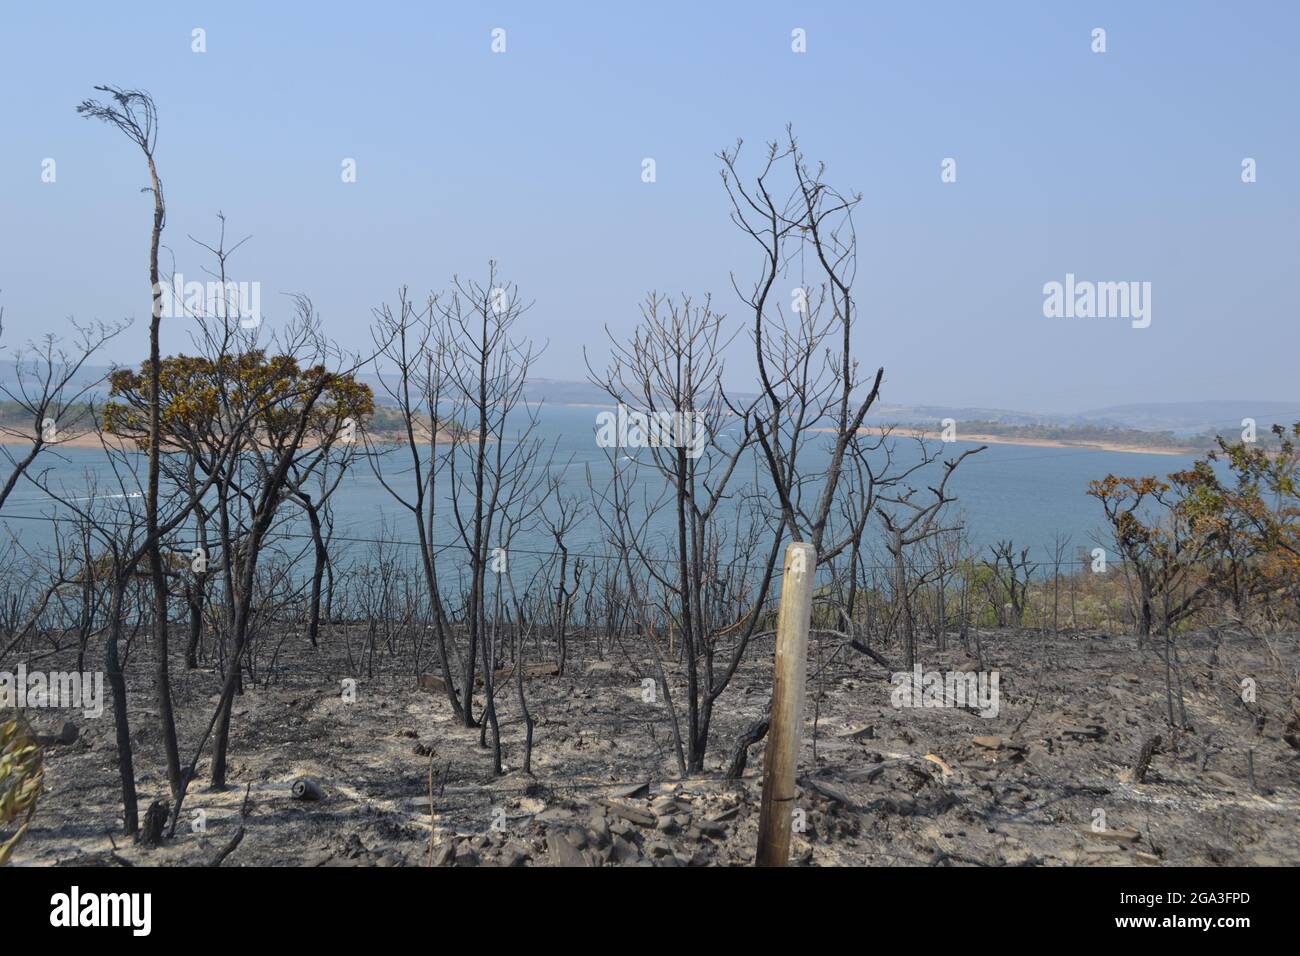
column 1026, row 493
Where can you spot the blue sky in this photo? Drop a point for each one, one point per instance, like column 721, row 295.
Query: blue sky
column 1116, row 166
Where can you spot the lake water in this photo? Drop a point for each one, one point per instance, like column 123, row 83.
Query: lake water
column 1025, row 493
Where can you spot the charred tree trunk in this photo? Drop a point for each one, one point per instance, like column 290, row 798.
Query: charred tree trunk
column 121, row 719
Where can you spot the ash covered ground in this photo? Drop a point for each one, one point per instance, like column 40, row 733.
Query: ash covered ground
column 1052, row 780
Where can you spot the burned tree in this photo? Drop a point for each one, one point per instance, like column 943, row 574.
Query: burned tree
column 682, row 431
column 909, row 522
column 133, row 113
column 412, row 377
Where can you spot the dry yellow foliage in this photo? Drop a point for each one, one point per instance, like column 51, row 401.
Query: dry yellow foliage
column 21, row 774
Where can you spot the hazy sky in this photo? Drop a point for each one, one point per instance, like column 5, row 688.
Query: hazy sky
column 1116, row 166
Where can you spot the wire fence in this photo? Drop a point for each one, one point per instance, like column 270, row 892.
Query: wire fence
column 190, row 537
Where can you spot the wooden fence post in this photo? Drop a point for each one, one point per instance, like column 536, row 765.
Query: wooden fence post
column 788, row 677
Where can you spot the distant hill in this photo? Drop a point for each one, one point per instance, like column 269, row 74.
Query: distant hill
column 85, row 375
column 1182, row 419
column 1189, row 418
column 559, row 392
column 1179, row 418
column 536, row 391
column 884, row 414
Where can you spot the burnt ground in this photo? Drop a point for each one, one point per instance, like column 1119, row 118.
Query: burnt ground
column 1049, row 781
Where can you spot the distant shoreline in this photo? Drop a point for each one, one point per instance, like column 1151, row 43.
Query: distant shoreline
column 1035, row 442
column 92, row 440
column 901, row 432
